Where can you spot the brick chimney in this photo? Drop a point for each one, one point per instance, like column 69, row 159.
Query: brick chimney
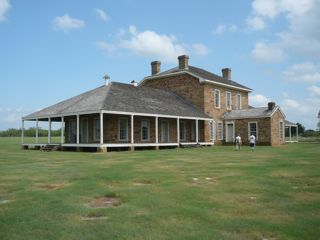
column 271, row 105
column 226, row 73
column 155, row 67
column 183, row 61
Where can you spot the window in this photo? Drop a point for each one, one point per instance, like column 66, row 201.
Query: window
column 220, row 131
column 96, row 126
column 73, row 131
column 228, row 99
column 193, row 131
column 182, row 127
column 238, row 101
column 211, row 131
column 123, row 129
column 144, row 130
column 281, row 130
column 217, row 98
column 253, row 129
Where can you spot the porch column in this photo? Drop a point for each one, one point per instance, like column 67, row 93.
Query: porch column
column 78, row 129
column 290, row 133
column 178, row 130
column 197, row 130
column 49, row 132
column 156, row 129
column 132, row 137
column 22, row 132
column 62, row 130
column 297, row 133
column 101, row 128
column 37, row 131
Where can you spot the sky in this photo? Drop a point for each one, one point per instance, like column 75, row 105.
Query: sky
column 53, row 50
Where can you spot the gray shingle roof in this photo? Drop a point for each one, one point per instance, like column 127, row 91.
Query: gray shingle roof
column 249, row 113
column 123, row 98
column 206, row 75
column 288, row 123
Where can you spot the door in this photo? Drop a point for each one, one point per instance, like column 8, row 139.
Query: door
column 164, row 132
column 84, row 131
column 72, row 131
column 230, row 132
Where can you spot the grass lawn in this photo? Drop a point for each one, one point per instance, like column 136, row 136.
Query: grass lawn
column 204, row 193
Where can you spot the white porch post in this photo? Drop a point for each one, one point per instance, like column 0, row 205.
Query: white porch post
column 49, row 132
column 78, row 129
column 22, row 132
column 297, row 133
column 37, row 132
column 101, row 128
column 290, row 133
column 132, row 126
column 156, row 129
column 178, row 130
column 62, row 130
column 197, row 130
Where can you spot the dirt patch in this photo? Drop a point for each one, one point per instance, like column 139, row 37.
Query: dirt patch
column 51, row 186
column 142, row 183
column 93, row 217
column 105, row 202
column 4, row 201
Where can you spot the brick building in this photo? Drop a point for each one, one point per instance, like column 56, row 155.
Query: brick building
column 185, row 105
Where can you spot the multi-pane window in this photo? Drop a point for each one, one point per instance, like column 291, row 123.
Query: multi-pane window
column 182, row 127
column 238, row 101
column 145, row 130
column 193, row 131
column 217, row 98
column 211, row 131
column 220, row 131
column 123, row 129
column 253, row 129
column 228, row 99
column 96, row 129
column 281, row 131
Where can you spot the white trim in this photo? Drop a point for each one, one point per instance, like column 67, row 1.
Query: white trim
column 22, row 131
column 132, row 129
column 230, row 107
column 239, row 101
column 37, row 131
column 62, row 130
column 123, row 140
column 275, row 110
column 214, row 98
column 221, row 124
column 201, row 80
column 78, row 128
column 81, row 125
column 178, row 130
column 211, row 129
column 148, row 128
column 49, row 131
column 233, row 135
column 101, row 128
column 257, row 133
column 156, row 129
column 197, row 130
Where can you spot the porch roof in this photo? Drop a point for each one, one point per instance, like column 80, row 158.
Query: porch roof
column 260, row 112
column 120, row 97
column 288, row 124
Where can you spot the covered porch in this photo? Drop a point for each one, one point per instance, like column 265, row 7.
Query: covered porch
column 291, row 132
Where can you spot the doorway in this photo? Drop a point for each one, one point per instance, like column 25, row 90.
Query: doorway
column 229, row 132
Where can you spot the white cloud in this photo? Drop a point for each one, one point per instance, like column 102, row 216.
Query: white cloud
column 223, row 28
column 306, row 72
column 258, row 100
column 314, row 91
column 4, row 8
column 200, row 49
column 102, row 14
column 67, row 23
column 264, row 52
column 256, row 23
column 109, row 48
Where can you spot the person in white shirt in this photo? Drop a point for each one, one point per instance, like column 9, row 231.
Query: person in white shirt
column 238, row 142
column 252, row 141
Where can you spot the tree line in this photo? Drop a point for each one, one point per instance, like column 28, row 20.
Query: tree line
column 30, row 132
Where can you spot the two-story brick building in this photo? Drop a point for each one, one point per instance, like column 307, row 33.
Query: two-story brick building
column 181, row 106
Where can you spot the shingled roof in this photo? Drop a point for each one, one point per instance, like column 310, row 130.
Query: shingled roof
column 201, row 73
column 249, row 113
column 122, row 97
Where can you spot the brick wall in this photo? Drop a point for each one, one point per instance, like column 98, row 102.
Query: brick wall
column 275, row 128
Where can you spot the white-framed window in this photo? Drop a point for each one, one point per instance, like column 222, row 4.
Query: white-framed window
column 123, row 129
column 182, row 128
column 145, row 130
column 72, row 131
column 96, row 129
column 228, row 100
column 193, row 131
column 239, row 101
column 211, row 131
column 281, row 130
column 220, row 131
column 253, row 129
column 216, row 98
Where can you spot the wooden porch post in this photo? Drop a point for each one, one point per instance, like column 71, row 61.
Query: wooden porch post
column 297, row 133
column 132, row 132
column 156, row 129
column 197, row 131
column 101, row 128
column 22, row 132
column 290, row 133
column 49, row 132
column 62, row 130
column 78, row 129
column 178, row 130
column 37, row 131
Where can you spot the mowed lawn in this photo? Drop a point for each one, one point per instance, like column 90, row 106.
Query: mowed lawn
column 203, row 193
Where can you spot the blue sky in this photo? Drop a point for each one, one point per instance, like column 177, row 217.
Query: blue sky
column 53, row 50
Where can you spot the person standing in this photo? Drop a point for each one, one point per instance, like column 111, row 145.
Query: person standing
column 252, row 141
column 238, row 142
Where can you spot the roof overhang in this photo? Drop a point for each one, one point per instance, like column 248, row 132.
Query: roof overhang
column 201, row 80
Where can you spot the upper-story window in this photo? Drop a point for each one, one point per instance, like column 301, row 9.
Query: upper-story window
column 239, row 101
column 217, row 98
column 228, row 100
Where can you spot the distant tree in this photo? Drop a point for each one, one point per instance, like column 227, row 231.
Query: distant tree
column 319, row 121
column 29, row 132
column 301, row 128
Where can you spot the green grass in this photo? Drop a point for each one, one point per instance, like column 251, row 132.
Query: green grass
column 205, row 193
